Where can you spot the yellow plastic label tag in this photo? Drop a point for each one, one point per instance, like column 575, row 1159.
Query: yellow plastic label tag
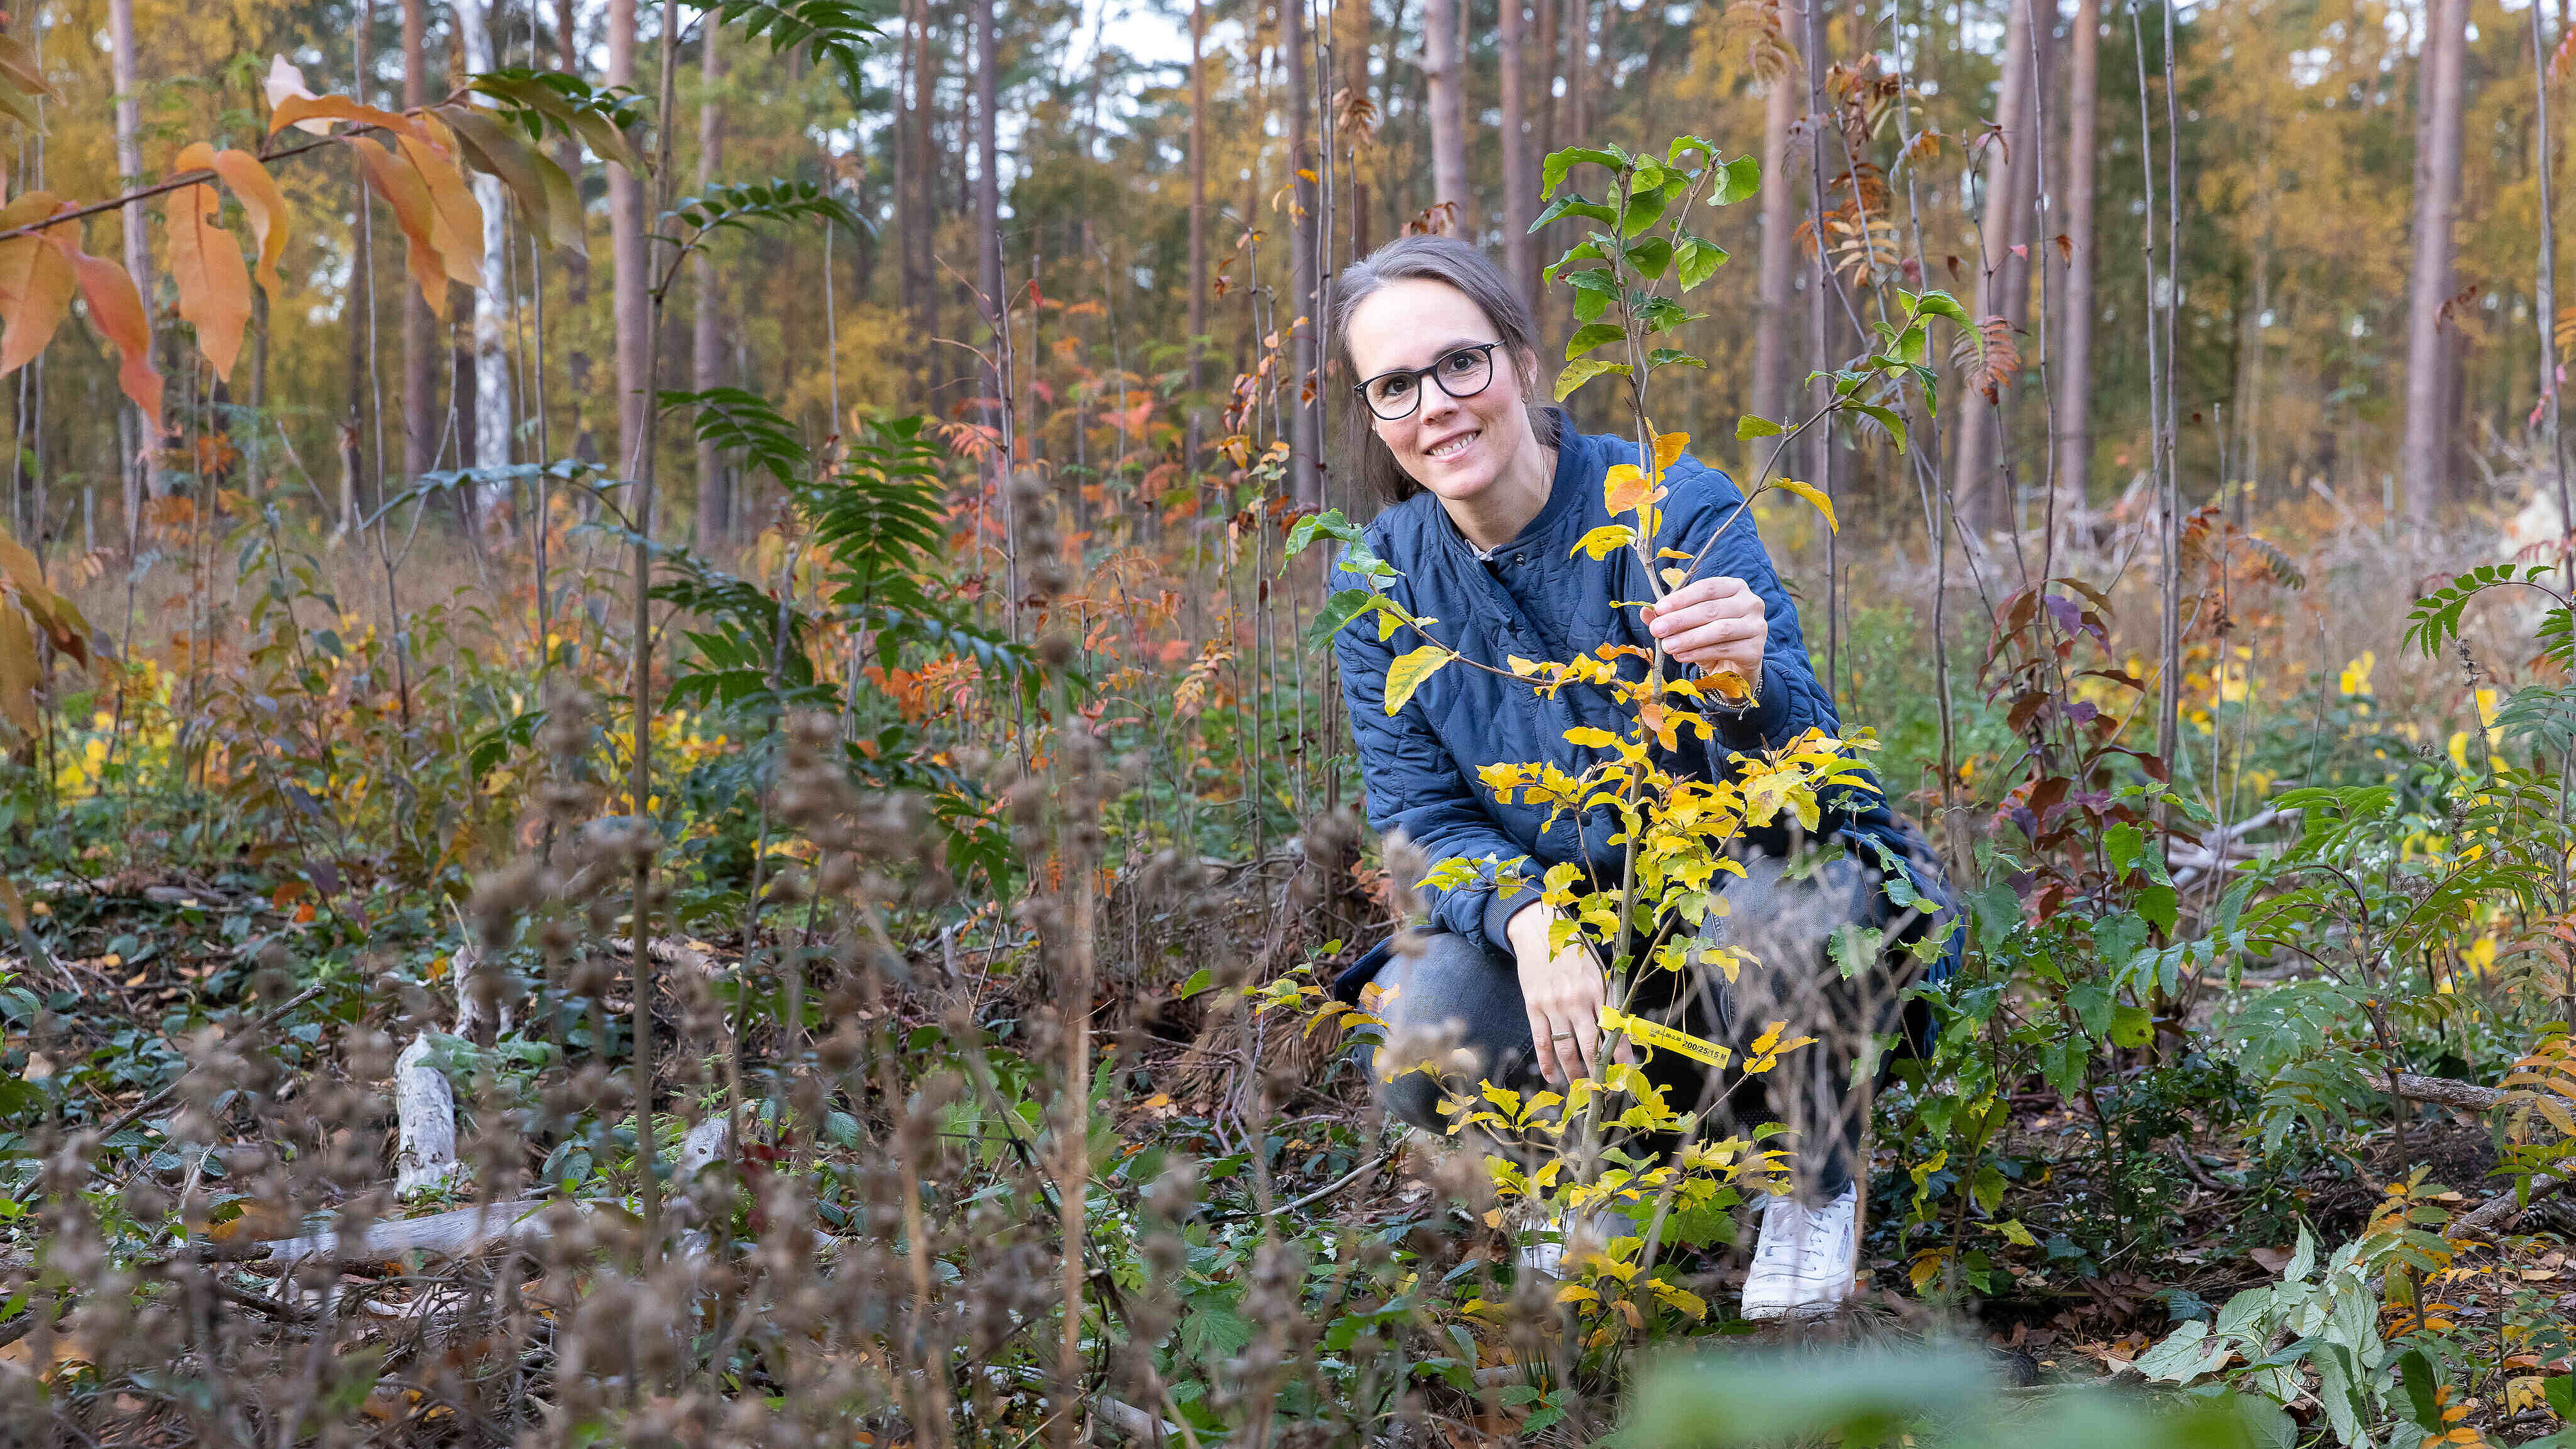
column 1656, row 1034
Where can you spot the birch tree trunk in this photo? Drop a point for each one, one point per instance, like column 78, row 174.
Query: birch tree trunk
column 1520, row 173
column 143, row 479
column 576, row 263
column 626, row 252
column 2424, row 460
column 1443, row 73
column 2072, row 366
column 419, row 334
column 1305, row 435
column 706, row 333
column 2007, row 225
column 492, row 402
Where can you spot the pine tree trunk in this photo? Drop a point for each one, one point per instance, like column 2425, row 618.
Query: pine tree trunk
column 1198, row 221
column 2425, row 460
column 419, row 331
column 2072, row 364
column 1775, row 333
column 706, row 332
column 1305, row 440
column 138, row 252
column 2007, row 225
column 988, row 196
column 626, row 251
column 1444, row 73
column 1520, row 171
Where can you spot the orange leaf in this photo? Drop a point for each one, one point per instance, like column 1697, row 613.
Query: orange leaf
column 205, row 261
column 456, row 219
column 408, row 195
column 35, row 283
column 116, row 310
column 1668, row 449
column 261, row 201
column 337, row 108
column 1623, row 488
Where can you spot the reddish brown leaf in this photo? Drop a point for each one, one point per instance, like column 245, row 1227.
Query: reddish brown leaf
column 35, row 283
column 116, row 310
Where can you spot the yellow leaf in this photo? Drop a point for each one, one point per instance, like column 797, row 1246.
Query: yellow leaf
column 1673, row 578
column 1602, row 541
column 1588, row 736
column 1576, row 1293
column 1623, row 488
column 2015, row 1234
column 1668, row 449
column 206, row 264
column 1816, row 496
column 292, row 109
column 1408, row 672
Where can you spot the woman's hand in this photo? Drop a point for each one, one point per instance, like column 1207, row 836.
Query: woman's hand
column 1563, row 991
column 1713, row 622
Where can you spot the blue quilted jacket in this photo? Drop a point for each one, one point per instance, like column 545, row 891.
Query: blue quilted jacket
column 1538, row 598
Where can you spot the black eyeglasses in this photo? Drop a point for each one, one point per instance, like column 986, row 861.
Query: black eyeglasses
column 1462, row 373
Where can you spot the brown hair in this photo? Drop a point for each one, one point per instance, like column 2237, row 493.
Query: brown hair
column 1453, row 262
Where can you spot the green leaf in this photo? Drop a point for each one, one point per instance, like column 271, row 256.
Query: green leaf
column 1643, row 210
column 1650, row 257
column 1576, row 374
column 1200, row 980
column 1582, row 251
column 1408, row 672
column 1552, row 171
column 1941, row 304
column 1683, row 145
column 1573, row 204
column 1700, row 260
column 2560, row 1391
column 2160, row 904
column 2132, row 1026
column 1885, row 418
column 1590, row 336
column 1344, row 606
column 1749, row 427
column 1666, row 356
column 1736, row 180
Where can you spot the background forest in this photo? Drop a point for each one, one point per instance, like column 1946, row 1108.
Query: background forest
column 672, row 776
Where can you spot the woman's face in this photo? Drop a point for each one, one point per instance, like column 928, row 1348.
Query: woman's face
column 1455, row 447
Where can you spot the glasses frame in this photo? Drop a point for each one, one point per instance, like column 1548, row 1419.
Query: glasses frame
column 1427, row 374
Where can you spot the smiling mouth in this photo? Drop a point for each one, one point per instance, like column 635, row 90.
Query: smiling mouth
column 1450, row 447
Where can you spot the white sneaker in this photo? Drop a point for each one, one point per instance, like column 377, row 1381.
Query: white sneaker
column 1549, row 1240
column 1807, row 1257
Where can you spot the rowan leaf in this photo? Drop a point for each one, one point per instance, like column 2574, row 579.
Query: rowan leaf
column 1408, row 672
column 408, row 195
column 455, row 217
column 116, row 310
column 1816, row 496
column 206, row 264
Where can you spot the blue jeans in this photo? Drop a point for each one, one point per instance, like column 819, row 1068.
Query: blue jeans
column 1459, row 991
